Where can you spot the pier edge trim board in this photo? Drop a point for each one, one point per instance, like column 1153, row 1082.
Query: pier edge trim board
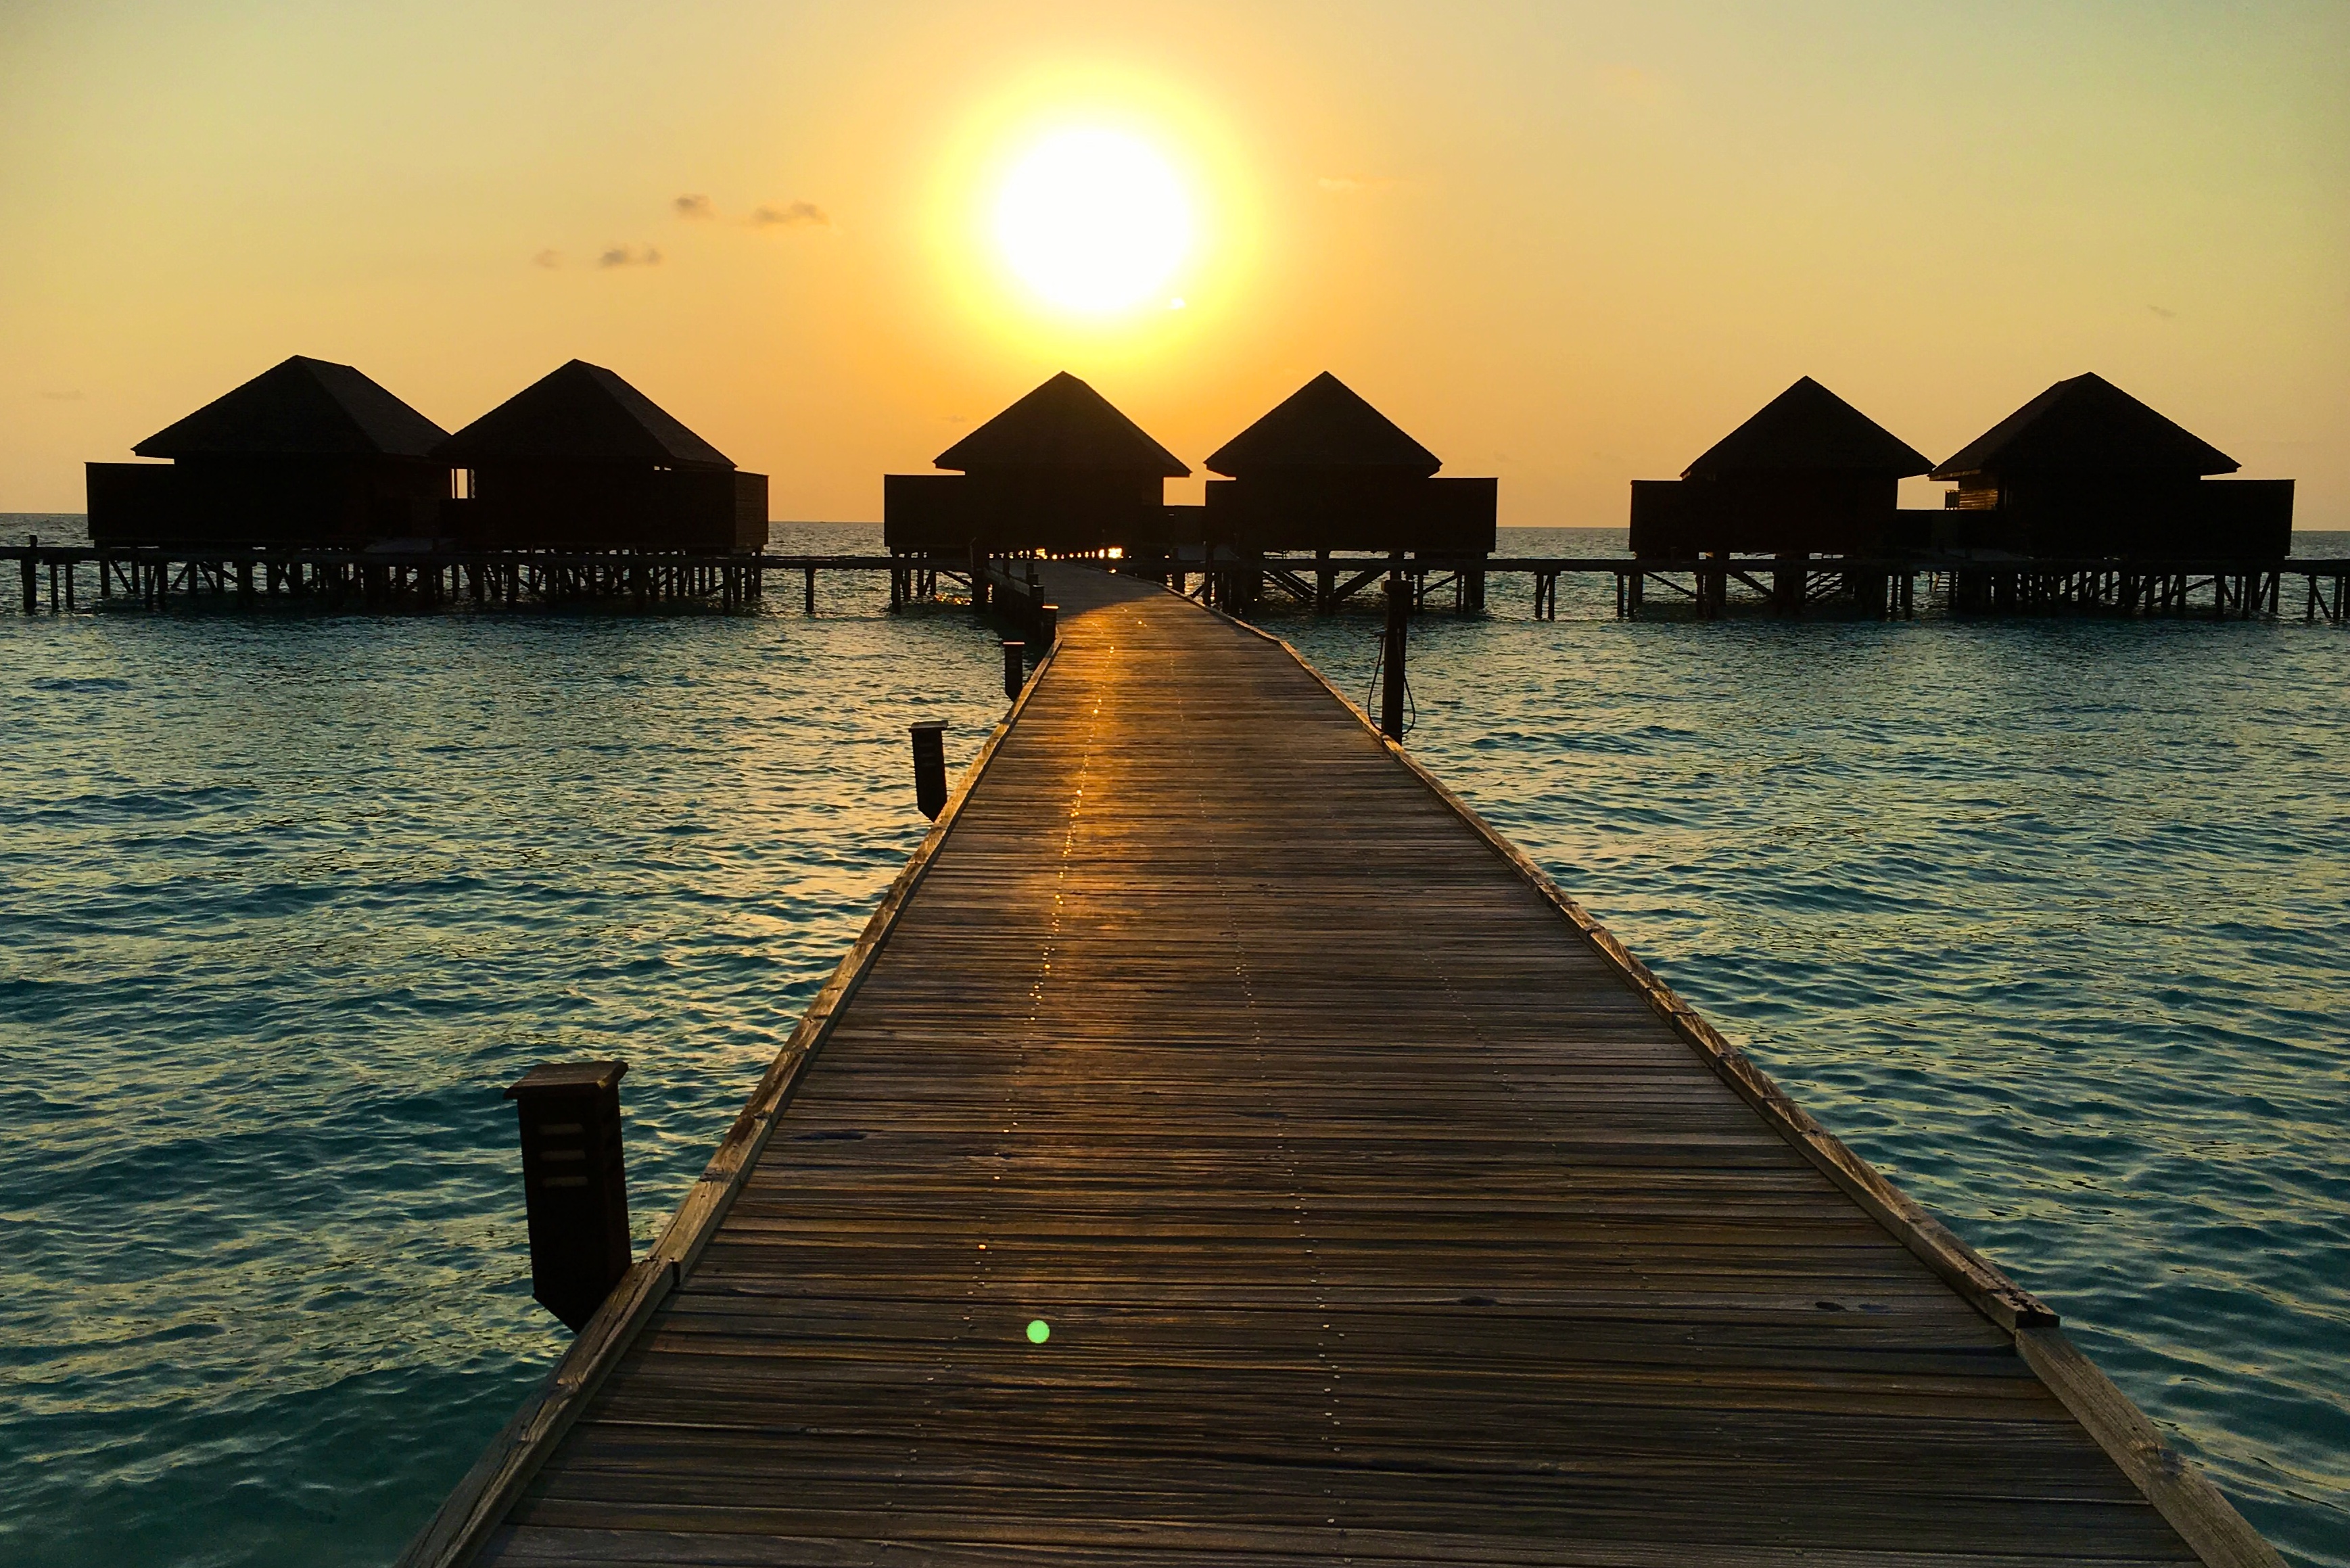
column 2177, row 1489
column 479, row 1501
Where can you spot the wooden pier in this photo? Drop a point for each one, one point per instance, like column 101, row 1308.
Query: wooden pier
column 1892, row 588
column 1369, row 1202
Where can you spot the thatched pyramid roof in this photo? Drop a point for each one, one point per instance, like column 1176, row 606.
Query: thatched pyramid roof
column 2086, row 425
column 1062, row 424
column 304, row 408
column 1809, row 430
column 1323, row 426
column 580, row 413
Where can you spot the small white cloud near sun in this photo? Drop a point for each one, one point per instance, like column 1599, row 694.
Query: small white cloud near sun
column 1093, row 222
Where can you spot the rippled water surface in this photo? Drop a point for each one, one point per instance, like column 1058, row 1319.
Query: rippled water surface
column 2044, row 916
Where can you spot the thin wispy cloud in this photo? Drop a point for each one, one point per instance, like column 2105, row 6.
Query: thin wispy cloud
column 696, row 207
column 2166, row 314
column 790, row 215
column 1353, row 184
column 630, row 255
column 547, row 259
column 69, row 395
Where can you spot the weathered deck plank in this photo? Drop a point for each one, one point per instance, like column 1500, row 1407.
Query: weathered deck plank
column 1374, row 1216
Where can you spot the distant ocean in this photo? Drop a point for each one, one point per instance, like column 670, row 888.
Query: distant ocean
column 2043, row 916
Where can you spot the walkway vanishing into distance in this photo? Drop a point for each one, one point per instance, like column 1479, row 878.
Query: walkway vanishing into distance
column 1381, row 1210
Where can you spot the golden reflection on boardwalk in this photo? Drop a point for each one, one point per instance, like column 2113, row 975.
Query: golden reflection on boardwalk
column 1374, row 1214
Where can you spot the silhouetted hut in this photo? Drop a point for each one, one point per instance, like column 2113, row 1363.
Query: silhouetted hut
column 1808, row 475
column 2086, row 470
column 580, row 459
column 1061, row 470
column 1325, row 471
column 309, row 453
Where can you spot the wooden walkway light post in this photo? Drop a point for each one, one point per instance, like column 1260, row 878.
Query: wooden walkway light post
column 1015, row 673
column 573, row 1183
column 1391, row 657
column 930, row 766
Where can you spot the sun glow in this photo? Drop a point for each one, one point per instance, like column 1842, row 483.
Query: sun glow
column 1094, row 222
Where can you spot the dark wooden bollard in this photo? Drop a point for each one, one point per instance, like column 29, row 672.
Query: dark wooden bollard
column 931, row 767
column 1048, row 625
column 574, row 1183
column 1391, row 658
column 1015, row 672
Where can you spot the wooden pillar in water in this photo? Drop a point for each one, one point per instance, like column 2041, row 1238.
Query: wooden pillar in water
column 1397, row 637
column 930, row 766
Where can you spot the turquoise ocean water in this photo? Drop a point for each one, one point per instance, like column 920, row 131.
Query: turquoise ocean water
column 2044, row 916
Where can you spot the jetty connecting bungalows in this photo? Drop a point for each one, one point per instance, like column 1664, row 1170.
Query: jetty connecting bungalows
column 309, row 453
column 580, row 459
column 1221, row 1147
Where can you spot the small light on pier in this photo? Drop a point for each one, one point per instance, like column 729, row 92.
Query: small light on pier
column 930, row 766
column 1039, row 1331
column 574, row 1183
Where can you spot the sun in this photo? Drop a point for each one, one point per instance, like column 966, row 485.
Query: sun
column 1094, row 222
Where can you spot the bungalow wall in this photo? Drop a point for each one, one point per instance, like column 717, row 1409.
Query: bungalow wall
column 278, row 502
column 1064, row 511
column 1381, row 513
column 1767, row 514
column 2089, row 517
column 612, row 506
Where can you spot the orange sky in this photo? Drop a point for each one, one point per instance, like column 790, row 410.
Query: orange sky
column 1570, row 245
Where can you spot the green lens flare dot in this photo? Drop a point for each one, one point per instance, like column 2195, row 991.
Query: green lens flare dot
column 1039, row 1331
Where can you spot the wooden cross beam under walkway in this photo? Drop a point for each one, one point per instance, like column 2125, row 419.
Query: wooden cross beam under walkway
column 1222, row 1147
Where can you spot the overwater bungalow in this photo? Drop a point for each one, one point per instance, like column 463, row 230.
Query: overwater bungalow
column 1061, row 471
column 2084, row 470
column 1808, row 475
column 309, row 453
column 1326, row 470
column 580, row 459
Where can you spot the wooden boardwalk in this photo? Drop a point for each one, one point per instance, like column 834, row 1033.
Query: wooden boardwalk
column 1380, row 1208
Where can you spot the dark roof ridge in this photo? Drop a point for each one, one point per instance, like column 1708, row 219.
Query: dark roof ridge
column 1808, row 430
column 2085, row 424
column 1061, row 423
column 1324, row 425
column 299, row 407
column 579, row 412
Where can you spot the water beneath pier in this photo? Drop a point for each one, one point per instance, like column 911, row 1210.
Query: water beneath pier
column 2042, row 916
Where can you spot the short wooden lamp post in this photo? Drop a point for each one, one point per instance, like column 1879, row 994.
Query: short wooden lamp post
column 574, row 1183
column 930, row 766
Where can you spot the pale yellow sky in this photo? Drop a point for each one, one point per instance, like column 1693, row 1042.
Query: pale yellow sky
column 1567, row 244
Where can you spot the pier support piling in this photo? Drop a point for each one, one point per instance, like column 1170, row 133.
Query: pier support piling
column 1392, row 656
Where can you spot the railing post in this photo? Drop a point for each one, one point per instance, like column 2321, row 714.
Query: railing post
column 1392, row 687
column 930, row 766
column 1015, row 673
column 575, row 1185
column 32, row 542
